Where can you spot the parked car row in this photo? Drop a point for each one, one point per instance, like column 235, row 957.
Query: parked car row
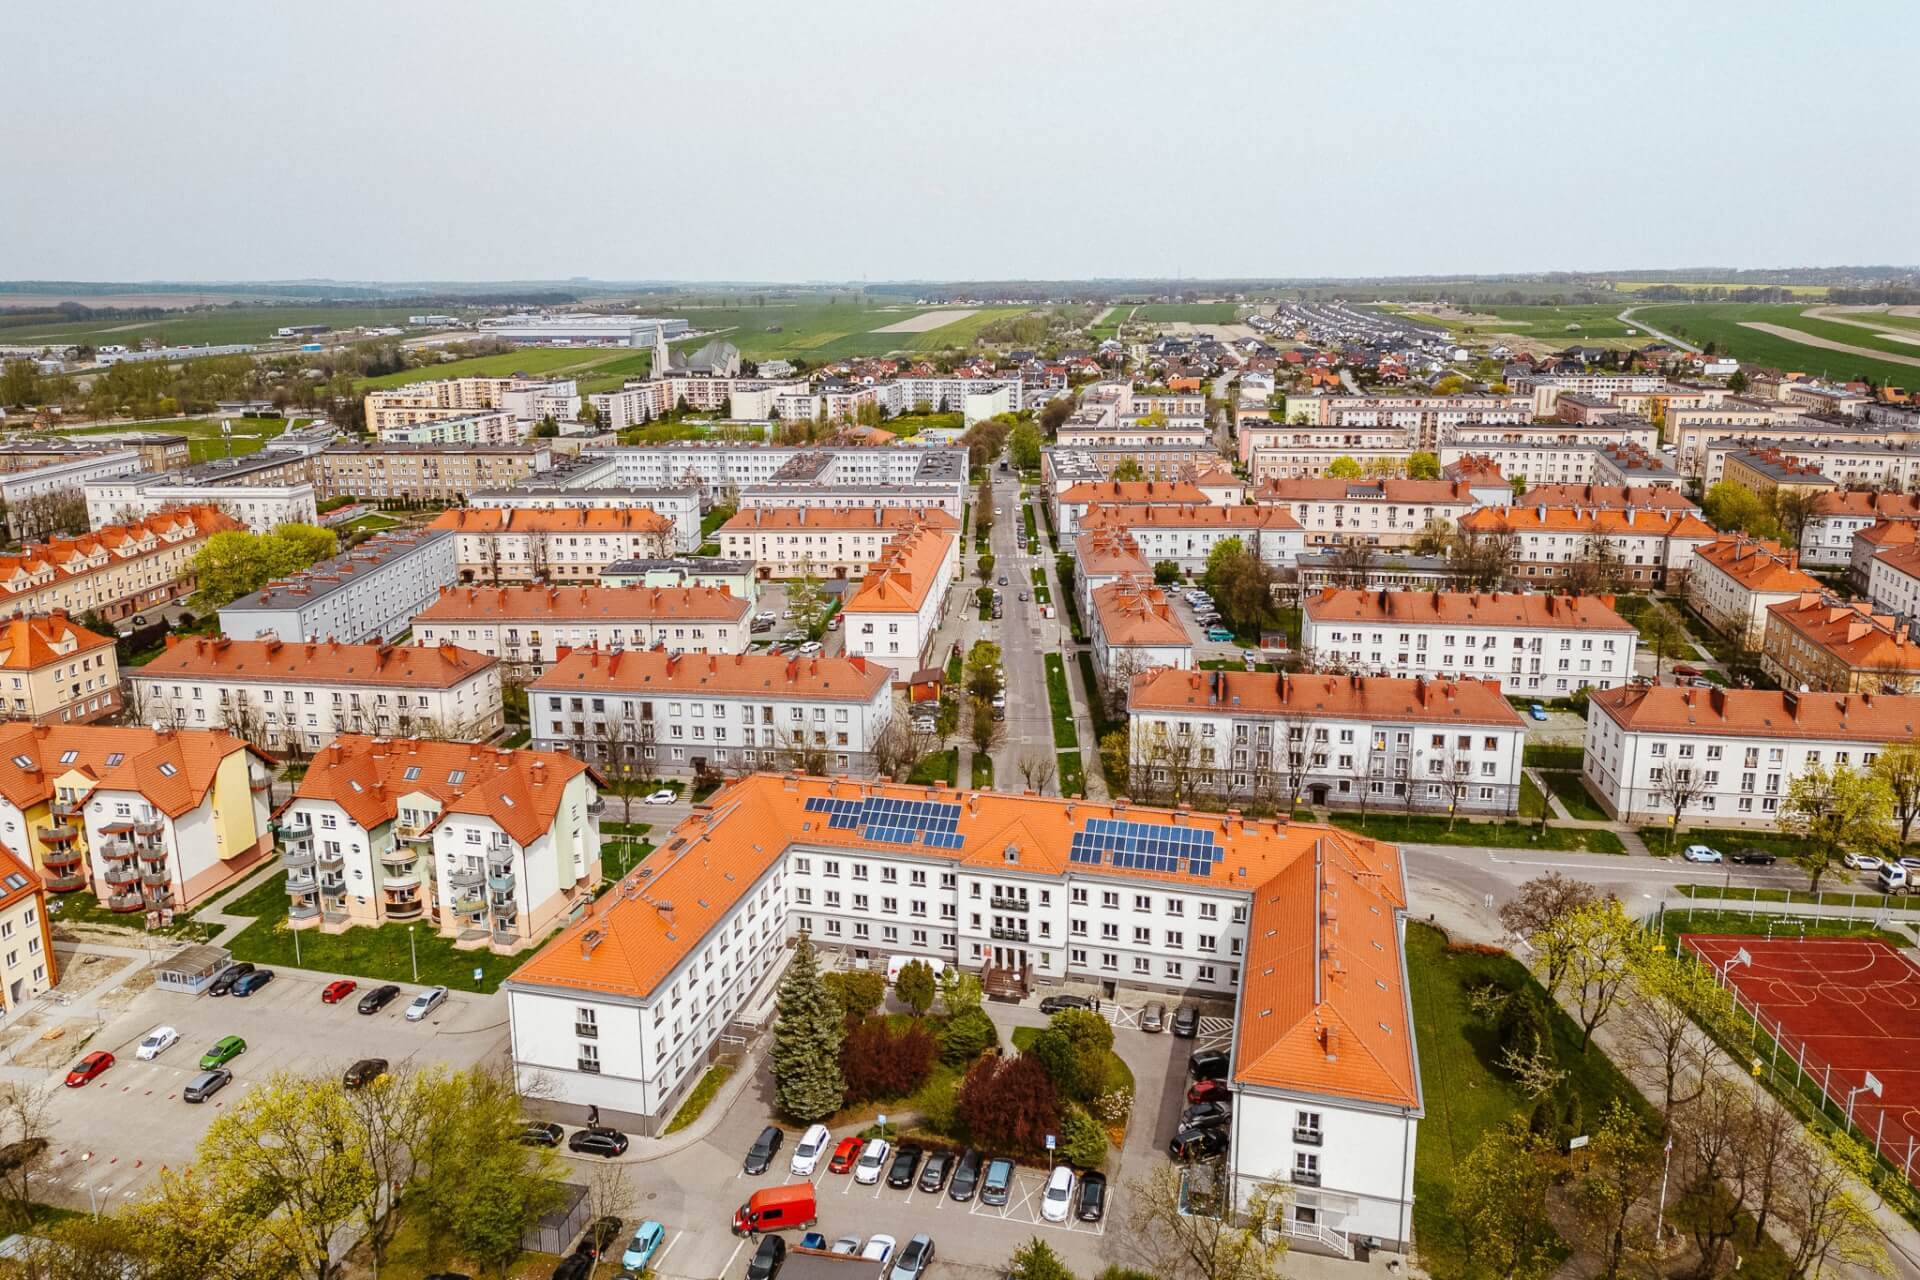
column 594, row 1140
column 1204, row 1126
column 1153, row 1015
column 214, row 1074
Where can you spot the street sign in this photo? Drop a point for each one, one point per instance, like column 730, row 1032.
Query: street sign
column 1049, row 1142
column 478, row 973
column 883, row 1119
column 1574, row 1144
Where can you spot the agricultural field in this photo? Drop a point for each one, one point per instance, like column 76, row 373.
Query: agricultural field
column 549, row 360
column 1797, row 290
column 1546, row 324
column 204, row 441
column 1187, row 313
column 219, row 325
column 1873, row 319
column 1725, row 325
column 822, row 331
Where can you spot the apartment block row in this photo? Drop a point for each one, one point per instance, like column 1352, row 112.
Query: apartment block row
column 528, row 627
column 795, row 542
column 369, row 593
column 56, row 671
column 568, row 544
column 116, row 573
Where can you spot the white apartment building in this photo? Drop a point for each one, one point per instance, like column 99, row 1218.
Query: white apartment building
column 1134, row 629
column 1382, row 513
column 1323, row 739
column 1652, row 546
column 496, row 427
column 793, row 542
column 1545, row 390
column 1729, row 753
column 505, row 843
column 1736, row 579
column 1827, row 540
column 855, row 498
column 620, row 1011
column 1070, row 504
column 1865, row 464
column 568, row 544
column 18, row 489
column 369, row 593
column 723, row 470
column 261, row 507
column 1534, row 644
column 294, row 696
column 1893, row 582
column 681, row 505
column 892, row 616
column 1188, row 535
column 530, row 628
column 649, row 713
column 522, row 398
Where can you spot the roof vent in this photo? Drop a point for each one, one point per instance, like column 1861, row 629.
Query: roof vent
column 588, row 941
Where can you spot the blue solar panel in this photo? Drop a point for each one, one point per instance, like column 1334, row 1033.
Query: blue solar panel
column 1144, row 846
column 893, row 821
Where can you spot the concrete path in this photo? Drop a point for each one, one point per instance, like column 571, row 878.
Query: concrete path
column 1626, row 317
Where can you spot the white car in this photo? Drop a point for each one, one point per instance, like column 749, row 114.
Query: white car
column 1059, row 1196
column 158, row 1041
column 806, row 1156
column 811, row 649
column 1701, row 853
column 878, row 1249
column 1861, row 862
column 425, row 1003
column 873, row 1159
column 662, row 797
column 846, row 1247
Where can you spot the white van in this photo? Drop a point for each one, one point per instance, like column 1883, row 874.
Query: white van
column 1893, row 878
column 897, row 963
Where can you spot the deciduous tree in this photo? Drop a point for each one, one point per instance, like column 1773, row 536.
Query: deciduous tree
column 1009, row 1104
column 914, row 985
column 1543, row 900
column 1616, row 1172
column 1898, row 769
column 1173, row 1244
column 1500, row 1200
column 858, row 992
column 1591, row 950
column 1835, row 810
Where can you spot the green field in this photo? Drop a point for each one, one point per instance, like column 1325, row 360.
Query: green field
column 1187, row 312
column 1723, row 325
column 205, row 442
column 1797, row 290
column 1881, row 319
column 820, row 331
column 550, row 360
column 1548, row 324
column 215, row 325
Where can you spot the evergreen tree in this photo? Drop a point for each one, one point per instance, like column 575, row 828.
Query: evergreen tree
column 806, row 1042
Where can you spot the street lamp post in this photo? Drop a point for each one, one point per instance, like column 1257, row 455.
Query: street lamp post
column 413, row 955
column 86, row 1171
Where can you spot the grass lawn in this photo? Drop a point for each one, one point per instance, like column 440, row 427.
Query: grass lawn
column 1061, row 699
column 1838, row 893
column 548, row 360
column 1725, row 325
column 368, row 952
column 1532, row 803
column 1702, row 920
column 369, row 524
column 1428, row 829
column 982, row 769
column 936, row 766
column 1465, row 1096
column 1572, row 793
column 1550, row 756
column 1073, row 778
column 1725, row 839
column 714, row 519
column 81, row 907
column 702, row 1094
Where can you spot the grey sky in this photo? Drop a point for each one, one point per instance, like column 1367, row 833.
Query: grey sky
column 797, row 141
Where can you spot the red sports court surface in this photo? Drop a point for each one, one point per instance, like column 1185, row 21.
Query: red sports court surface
column 1854, row 1001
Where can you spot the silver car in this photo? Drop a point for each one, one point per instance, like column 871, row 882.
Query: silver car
column 1154, row 1017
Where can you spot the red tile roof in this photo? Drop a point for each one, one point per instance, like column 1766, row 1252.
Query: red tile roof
column 1205, row 516
column 1134, row 614
column 1467, row 608
column 1525, row 518
column 1323, row 937
column 71, row 557
column 1760, row 713
column 1757, row 564
column 657, row 671
column 1646, row 497
column 173, row 768
column 27, row 644
column 318, row 662
column 1326, row 489
column 1850, row 632
column 1477, row 702
column 1127, row 492
column 552, row 520
column 1110, row 551
column 1868, row 502
column 585, row 604
column 838, row 519
column 900, row 580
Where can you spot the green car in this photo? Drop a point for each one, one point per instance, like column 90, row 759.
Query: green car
column 222, row 1053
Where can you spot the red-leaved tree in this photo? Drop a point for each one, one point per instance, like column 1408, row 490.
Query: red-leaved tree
column 1009, row 1104
column 880, row 1064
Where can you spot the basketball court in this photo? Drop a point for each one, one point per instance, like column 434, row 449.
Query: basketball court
column 1847, row 1009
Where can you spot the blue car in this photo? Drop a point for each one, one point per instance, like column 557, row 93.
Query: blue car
column 1537, row 711
column 252, row 982
column 647, row 1239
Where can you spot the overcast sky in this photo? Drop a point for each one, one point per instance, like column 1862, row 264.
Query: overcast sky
column 805, row 141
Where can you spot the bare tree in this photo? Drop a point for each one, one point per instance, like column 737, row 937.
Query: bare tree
column 1353, row 562
column 1171, row 1237
column 1543, row 900
column 24, row 1125
column 241, row 718
column 801, row 753
column 47, row 514
column 1675, row 788
column 1038, row 771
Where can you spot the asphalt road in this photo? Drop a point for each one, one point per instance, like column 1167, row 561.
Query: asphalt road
column 1024, row 638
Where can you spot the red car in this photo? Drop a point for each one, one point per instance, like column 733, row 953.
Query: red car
column 89, row 1067
column 338, row 990
column 844, row 1155
column 1209, row 1091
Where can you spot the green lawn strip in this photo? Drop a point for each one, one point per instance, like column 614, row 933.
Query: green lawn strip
column 1573, row 794
column 714, row 519
column 982, row 769
column 1073, row 778
column 1096, row 702
column 1837, row 895
column 1678, row 920
column 81, row 907
column 1553, row 756
column 702, row 1094
column 936, row 766
column 1060, row 697
column 1532, row 803
column 518, row 738
column 377, row 952
column 955, row 667
column 1400, row 828
column 1465, row 1096
column 1725, row 839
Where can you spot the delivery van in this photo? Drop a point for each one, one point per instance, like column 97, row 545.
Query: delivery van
column 897, row 963
column 777, row 1209
column 1893, row 878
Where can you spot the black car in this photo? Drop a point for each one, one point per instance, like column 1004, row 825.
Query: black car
column 598, row 1142
column 378, row 998
column 767, row 1259
column 1206, row 1115
column 1054, row 1004
column 575, row 1266
column 1208, row 1064
column 248, row 983
column 1091, row 1202
column 939, row 1168
column 364, row 1072
column 760, row 1154
column 602, row 1234
column 966, row 1176
column 1754, row 858
column 1197, row 1144
column 1186, row 1022
column 223, row 981
column 906, row 1161
column 542, row 1133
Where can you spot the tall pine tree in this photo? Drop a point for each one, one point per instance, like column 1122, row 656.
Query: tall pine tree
column 806, row 1042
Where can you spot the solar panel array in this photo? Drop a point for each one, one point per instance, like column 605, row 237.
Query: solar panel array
column 1142, row 846
column 928, row 822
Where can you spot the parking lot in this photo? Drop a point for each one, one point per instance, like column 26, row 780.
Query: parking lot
column 694, row 1192
column 118, row 1131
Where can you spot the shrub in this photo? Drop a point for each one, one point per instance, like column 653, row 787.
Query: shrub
column 1083, row 1143
column 985, row 564
column 970, row 1033
column 914, row 986
column 859, row 992
column 880, row 1064
column 1009, row 1104
column 1113, row 1106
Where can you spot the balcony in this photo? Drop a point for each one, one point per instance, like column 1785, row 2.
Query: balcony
column 501, row 883
column 470, row 904
column 1306, row 1137
column 1010, row 935
column 122, row 874
column 1011, row 904
column 331, row 858
column 298, row 859
column 586, row 1030
column 258, row 780
column 117, row 827
column 61, row 834
column 598, row 805
column 149, row 826
column 301, row 883
column 505, row 939
column 156, row 879
column 398, row 857
column 1306, row 1177
column 65, row 857
column 408, row 881
column 305, row 910
column 159, row 897
column 500, row 861
column 66, row 808
column 465, row 878
column 296, row 829
column 66, row 883
column 126, row 902
column 413, row 834
column 404, row 909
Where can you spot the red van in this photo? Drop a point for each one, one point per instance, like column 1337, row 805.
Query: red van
column 777, row 1209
